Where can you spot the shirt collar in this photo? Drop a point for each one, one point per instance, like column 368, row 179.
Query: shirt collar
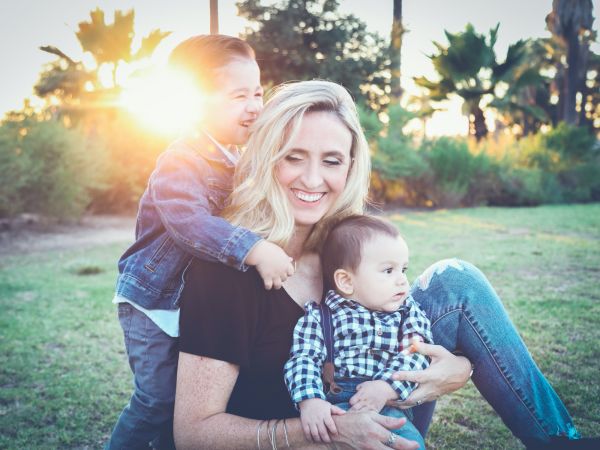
column 336, row 302
column 232, row 153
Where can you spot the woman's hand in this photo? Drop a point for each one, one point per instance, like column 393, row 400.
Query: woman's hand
column 446, row 373
column 369, row 430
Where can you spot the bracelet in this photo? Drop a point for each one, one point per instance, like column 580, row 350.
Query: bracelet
column 273, row 435
column 287, row 443
column 258, row 433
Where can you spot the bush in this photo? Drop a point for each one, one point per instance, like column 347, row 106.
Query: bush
column 457, row 177
column 131, row 152
column 46, row 168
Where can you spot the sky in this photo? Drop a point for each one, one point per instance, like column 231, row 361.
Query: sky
column 27, row 24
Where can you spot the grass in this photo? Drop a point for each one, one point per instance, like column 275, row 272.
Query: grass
column 63, row 371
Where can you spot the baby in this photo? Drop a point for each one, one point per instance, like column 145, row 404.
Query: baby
column 373, row 322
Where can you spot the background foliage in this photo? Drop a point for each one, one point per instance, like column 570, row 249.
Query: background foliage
column 83, row 152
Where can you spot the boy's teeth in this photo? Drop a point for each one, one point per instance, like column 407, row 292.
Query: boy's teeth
column 308, row 197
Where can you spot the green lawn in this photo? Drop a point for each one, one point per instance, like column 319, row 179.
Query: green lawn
column 64, row 376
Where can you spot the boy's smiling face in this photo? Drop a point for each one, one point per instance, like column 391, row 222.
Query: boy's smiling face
column 235, row 103
column 379, row 282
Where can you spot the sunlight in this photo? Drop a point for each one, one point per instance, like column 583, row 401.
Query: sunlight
column 165, row 101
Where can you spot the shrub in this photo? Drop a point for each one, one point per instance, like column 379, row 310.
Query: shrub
column 131, row 153
column 457, row 177
column 47, row 168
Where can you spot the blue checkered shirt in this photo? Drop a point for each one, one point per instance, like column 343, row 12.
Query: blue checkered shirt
column 366, row 344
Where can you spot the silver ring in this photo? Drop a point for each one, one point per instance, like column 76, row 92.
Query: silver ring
column 391, row 440
column 419, row 402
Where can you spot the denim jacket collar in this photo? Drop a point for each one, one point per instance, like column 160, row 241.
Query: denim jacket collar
column 211, row 149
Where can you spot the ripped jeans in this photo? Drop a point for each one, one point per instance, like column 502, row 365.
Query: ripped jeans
column 467, row 317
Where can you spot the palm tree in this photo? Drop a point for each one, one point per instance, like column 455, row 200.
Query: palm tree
column 571, row 21
column 396, row 51
column 108, row 44
column 467, row 67
column 527, row 99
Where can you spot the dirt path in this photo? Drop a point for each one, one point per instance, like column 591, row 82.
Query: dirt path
column 31, row 237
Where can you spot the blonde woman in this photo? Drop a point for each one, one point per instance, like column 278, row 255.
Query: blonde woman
column 306, row 166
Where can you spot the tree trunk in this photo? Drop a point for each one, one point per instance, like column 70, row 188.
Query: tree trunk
column 214, row 16
column 573, row 69
column 396, row 52
column 478, row 127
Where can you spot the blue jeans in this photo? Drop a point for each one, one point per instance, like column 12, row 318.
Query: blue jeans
column 348, row 386
column 153, row 359
column 468, row 318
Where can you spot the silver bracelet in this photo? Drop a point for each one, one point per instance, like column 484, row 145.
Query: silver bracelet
column 285, row 434
column 273, row 435
column 258, row 433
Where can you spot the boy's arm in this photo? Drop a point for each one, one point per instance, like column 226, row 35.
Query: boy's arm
column 302, row 372
column 415, row 325
column 179, row 188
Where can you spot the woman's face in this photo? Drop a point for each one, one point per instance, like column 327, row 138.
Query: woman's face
column 313, row 172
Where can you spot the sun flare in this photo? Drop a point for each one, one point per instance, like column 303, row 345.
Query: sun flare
column 166, row 101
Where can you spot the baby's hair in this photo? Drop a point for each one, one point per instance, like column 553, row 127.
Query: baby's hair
column 343, row 245
column 201, row 56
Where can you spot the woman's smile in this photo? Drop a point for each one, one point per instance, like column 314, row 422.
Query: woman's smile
column 308, row 197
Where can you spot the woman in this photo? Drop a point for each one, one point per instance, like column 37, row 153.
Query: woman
column 307, row 164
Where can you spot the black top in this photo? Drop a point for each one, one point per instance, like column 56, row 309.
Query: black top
column 229, row 316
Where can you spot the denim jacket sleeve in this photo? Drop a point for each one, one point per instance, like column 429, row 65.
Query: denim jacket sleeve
column 180, row 188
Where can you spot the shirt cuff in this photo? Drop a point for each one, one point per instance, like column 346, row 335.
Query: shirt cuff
column 402, row 388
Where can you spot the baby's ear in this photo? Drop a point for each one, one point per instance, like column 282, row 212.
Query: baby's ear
column 343, row 282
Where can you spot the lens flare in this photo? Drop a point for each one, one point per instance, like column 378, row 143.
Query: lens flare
column 166, row 101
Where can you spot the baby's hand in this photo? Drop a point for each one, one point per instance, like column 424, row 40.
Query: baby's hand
column 315, row 415
column 272, row 263
column 372, row 396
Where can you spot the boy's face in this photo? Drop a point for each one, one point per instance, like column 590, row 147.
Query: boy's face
column 235, row 103
column 379, row 282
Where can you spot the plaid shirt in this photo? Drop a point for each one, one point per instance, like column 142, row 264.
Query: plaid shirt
column 366, row 344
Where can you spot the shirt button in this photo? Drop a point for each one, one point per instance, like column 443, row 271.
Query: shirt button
column 379, row 331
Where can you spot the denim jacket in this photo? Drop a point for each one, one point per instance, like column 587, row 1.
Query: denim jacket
column 177, row 220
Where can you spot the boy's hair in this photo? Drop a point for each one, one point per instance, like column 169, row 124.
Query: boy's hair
column 343, row 247
column 200, row 56
column 258, row 201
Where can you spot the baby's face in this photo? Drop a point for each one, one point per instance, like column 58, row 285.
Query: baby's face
column 379, row 281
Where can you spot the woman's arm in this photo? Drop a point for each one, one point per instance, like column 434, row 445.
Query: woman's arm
column 446, row 373
column 203, row 389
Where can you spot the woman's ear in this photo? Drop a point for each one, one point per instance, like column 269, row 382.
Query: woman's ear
column 343, row 281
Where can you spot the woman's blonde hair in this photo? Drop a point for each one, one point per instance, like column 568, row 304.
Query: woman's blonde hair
column 258, row 201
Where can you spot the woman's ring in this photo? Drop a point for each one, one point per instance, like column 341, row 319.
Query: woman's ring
column 419, row 402
column 391, row 440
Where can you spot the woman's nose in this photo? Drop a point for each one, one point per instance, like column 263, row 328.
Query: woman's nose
column 312, row 176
